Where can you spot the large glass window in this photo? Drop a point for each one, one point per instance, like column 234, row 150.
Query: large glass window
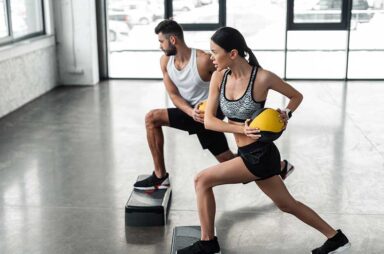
column 329, row 39
column 312, row 55
column 322, row 11
column 197, row 15
column 27, row 17
column 3, row 20
column 263, row 25
column 317, row 14
column 133, row 45
column 20, row 19
column 196, row 11
column 366, row 48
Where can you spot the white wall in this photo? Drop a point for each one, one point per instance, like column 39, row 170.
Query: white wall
column 75, row 23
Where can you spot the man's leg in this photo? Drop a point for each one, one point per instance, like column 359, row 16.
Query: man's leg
column 217, row 144
column 154, row 120
column 225, row 156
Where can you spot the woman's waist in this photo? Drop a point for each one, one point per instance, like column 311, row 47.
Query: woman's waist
column 244, row 143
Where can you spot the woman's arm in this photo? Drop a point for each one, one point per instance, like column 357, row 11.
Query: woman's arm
column 272, row 81
column 211, row 122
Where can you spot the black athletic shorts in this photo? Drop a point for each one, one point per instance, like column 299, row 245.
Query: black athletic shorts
column 261, row 159
column 214, row 141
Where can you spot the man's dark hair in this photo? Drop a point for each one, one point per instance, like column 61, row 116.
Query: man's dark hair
column 170, row 27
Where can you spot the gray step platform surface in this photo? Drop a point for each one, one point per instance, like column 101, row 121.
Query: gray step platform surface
column 147, row 208
column 184, row 236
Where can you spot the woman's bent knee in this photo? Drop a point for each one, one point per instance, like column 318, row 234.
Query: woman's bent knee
column 201, row 182
column 287, row 207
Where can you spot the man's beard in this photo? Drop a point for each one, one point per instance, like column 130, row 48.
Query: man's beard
column 170, row 51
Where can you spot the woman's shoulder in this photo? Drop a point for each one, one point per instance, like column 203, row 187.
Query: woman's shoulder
column 217, row 78
column 264, row 75
column 218, row 74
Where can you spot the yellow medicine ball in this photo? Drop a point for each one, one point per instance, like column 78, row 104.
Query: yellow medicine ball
column 269, row 122
column 202, row 106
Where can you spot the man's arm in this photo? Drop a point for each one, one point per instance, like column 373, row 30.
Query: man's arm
column 172, row 90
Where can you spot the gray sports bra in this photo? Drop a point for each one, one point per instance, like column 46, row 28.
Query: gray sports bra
column 241, row 109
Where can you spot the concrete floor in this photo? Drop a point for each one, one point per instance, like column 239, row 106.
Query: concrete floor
column 68, row 161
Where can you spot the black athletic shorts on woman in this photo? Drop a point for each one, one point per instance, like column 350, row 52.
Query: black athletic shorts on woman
column 261, row 159
column 214, row 141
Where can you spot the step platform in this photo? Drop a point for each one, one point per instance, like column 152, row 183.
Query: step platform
column 147, row 208
column 184, row 236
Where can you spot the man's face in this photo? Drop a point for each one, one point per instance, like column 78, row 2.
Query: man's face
column 166, row 44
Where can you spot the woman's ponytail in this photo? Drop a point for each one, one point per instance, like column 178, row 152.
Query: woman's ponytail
column 252, row 58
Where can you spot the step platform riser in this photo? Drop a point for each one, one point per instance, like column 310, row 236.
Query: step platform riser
column 147, row 208
column 185, row 236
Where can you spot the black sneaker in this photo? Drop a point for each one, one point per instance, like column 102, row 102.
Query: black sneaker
column 153, row 183
column 202, row 247
column 287, row 170
column 336, row 244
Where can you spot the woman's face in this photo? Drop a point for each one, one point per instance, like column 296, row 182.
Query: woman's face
column 219, row 57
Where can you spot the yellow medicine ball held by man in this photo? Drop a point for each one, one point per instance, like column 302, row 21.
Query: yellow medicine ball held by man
column 202, row 106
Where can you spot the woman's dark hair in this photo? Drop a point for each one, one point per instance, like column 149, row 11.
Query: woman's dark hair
column 229, row 38
column 170, row 27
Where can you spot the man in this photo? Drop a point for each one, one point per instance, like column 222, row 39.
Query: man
column 186, row 74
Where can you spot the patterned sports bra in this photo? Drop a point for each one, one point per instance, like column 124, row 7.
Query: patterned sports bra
column 241, row 109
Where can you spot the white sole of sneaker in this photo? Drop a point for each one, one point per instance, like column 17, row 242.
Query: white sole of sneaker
column 341, row 249
column 290, row 170
column 161, row 187
column 144, row 188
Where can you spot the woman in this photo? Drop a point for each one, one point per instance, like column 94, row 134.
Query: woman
column 240, row 87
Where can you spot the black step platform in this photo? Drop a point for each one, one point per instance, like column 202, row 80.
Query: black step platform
column 147, row 208
column 184, row 236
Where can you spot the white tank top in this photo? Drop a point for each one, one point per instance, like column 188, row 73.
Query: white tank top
column 188, row 81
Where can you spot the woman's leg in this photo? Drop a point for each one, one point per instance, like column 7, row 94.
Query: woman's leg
column 275, row 189
column 229, row 172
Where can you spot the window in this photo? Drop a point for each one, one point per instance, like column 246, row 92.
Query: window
column 3, row 20
column 317, row 14
column 27, row 17
column 198, row 15
column 263, row 25
column 20, row 19
column 133, row 45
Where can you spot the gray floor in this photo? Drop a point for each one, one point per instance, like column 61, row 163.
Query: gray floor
column 68, row 161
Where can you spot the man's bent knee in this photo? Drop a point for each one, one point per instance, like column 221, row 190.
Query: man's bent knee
column 156, row 118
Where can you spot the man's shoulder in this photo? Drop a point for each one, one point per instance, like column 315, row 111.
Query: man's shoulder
column 164, row 58
column 203, row 60
column 164, row 61
column 202, row 54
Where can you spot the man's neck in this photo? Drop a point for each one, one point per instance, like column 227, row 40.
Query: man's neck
column 182, row 57
column 183, row 53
